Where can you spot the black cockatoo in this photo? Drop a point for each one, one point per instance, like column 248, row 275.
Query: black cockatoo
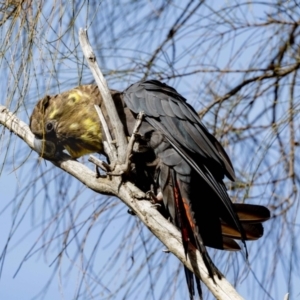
column 180, row 162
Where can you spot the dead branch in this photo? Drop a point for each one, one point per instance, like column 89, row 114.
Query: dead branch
column 130, row 195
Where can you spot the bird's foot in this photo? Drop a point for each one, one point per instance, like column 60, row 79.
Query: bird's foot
column 116, row 168
column 99, row 164
column 156, row 205
column 154, row 199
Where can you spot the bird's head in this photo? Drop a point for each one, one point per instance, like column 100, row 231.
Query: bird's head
column 70, row 121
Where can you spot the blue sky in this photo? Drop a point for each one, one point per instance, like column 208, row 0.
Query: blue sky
column 34, row 212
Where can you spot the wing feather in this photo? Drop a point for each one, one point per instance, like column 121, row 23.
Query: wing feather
column 183, row 138
column 168, row 111
column 176, row 109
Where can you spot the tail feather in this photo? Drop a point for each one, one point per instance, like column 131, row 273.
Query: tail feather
column 252, row 231
column 251, row 213
column 190, row 282
column 204, row 222
column 189, row 230
column 230, row 244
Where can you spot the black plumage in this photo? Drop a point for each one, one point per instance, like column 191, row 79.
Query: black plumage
column 190, row 167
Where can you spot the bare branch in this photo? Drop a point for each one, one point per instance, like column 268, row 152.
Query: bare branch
column 105, row 93
column 129, row 194
column 110, row 150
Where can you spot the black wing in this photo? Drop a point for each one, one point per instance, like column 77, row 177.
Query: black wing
column 190, row 168
column 169, row 113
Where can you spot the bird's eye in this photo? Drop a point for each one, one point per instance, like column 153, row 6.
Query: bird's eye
column 49, row 127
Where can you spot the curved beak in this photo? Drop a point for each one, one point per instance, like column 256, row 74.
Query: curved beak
column 44, row 148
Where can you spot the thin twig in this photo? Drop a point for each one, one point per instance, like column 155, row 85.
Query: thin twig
column 271, row 74
column 117, row 126
column 110, row 150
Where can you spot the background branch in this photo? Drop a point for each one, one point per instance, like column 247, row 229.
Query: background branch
column 235, row 62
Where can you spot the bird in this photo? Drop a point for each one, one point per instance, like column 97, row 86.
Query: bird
column 177, row 159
